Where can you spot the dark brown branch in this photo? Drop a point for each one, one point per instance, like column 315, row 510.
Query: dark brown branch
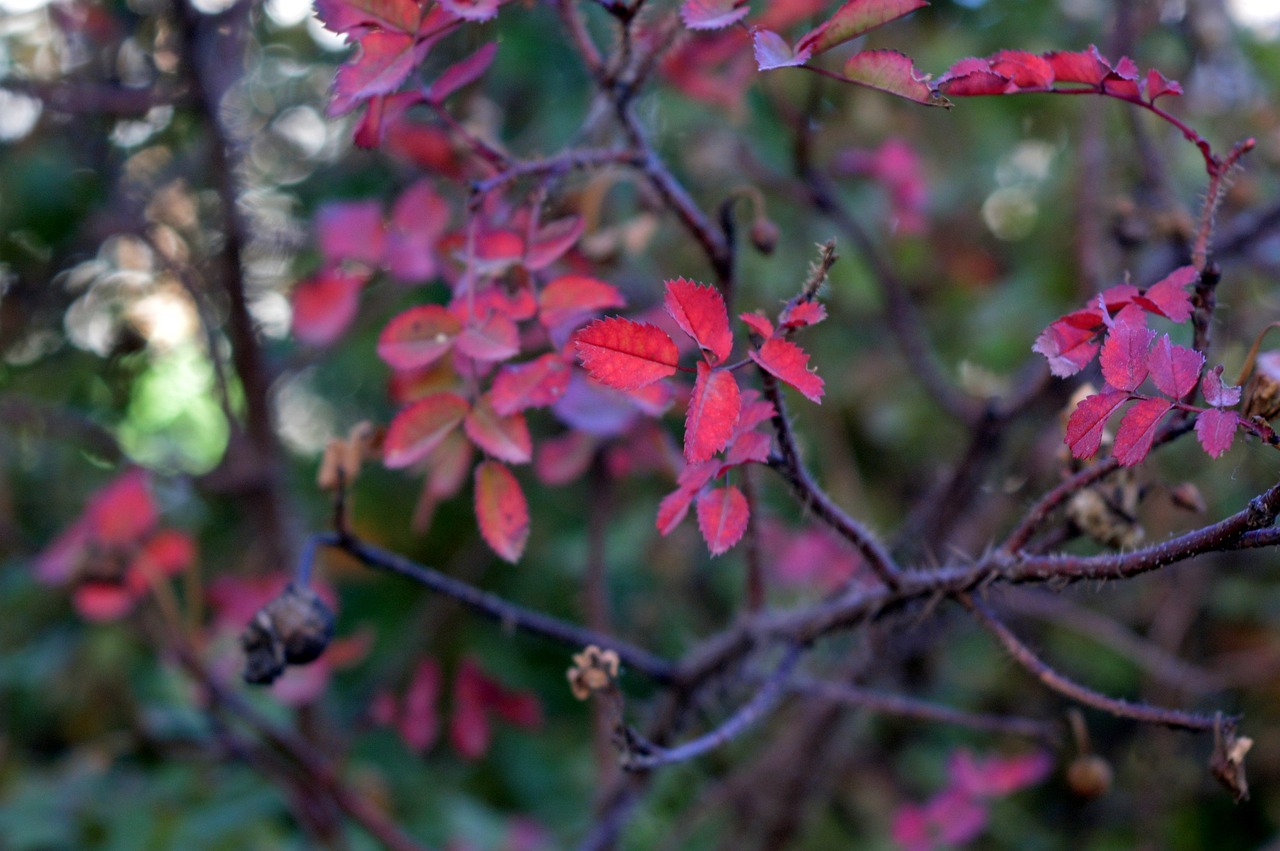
column 923, row 710
column 509, row 615
column 1052, row 679
column 765, row 700
column 789, row 465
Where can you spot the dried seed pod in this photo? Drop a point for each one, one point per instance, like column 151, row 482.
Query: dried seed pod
column 1107, row 511
column 593, row 670
column 293, row 629
column 1262, row 390
column 1089, row 776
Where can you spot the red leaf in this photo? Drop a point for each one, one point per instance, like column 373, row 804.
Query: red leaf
column 1081, row 67
column 758, row 323
column 722, row 518
column 462, row 73
column 624, row 354
column 1169, row 297
column 700, row 312
column 166, row 553
column 802, row 313
column 469, row 725
column 493, row 338
column 419, row 723
column 518, row 708
column 501, row 510
column 418, row 220
column 754, row 411
column 567, row 301
column 1123, row 80
column 1089, row 419
column 552, row 241
column 673, row 508
column 535, row 384
column 1138, row 429
column 892, row 72
column 1216, row 393
column 789, row 362
column 560, row 460
column 350, row 230
column 1068, row 347
column 421, row 427
column 853, row 19
column 504, row 437
column 1025, row 70
column 102, row 601
column 418, row 337
column 772, row 51
column 1174, row 369
column 1157, row 85
column 323, row 306
column 471, row 10
column 383, row 61
column 974, row 83
column 357, row 16
column 713, row 411
column 712, row 14
column 1216, row 429
column 1124, row 355
column 748, row 446
column 122, row 512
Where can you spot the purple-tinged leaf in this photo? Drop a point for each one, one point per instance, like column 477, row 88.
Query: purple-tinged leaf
column 1169, row 297
column 712, row 14
column 892, row 72
column 1138, row 430
column 1216, row 393
column 1088, row 421
column 1124, row 355
column 462, row 73
column 772, row 51
column 853, row 19
column 1174, row 369
column 1216, row 429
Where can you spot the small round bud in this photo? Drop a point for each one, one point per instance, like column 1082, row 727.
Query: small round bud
column 263, row 652
column 764, row 235
column 1089, row 776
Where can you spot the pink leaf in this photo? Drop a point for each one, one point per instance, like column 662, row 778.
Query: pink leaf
column 1124, row 355
column 1138, row 430
column 754, row 411
column 673, row 508
column 324, row 305
column 772, row 51
column 787, row 361
column 418, row 337
column 713, row 411
column 122, row 512
column 419, row 723
column 383, row 62
column 712, row 14
column 1216, row 429
column 469, row 731
column 722, row 518
column 853, row 19
column 504, row 437
column 493, row 338
column 1068, row 347
column 625, row 355
column 892, row 72
column 700, row 312
column 551, row 242
column 350, row 230
column 997, row 776
column 535, row 384
column 1089, row 420
column 166, row 553
column 462, row 73
column 501, row 510
column 560, row 460
column 359, row 16
column 568, row 301
column 421, row 427
column 1024, row 70
column 100, row 602
column 802, row 314
column 974, row 83
column 1157, row 85
column 418, row 220
column 1216, row 393
column 1174, row 369
column 758, row 323
column 747, row 447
